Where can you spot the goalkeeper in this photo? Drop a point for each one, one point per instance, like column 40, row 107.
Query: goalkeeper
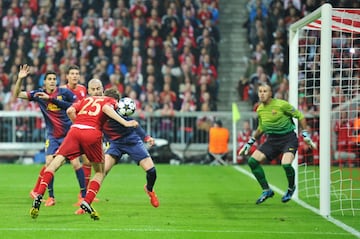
column 276, row 120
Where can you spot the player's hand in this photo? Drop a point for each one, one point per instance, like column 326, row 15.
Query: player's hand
column 132, row 123
column 246, row 148
column 42, row 95
column 23, row 71
column 150, row 141
column 307, row 139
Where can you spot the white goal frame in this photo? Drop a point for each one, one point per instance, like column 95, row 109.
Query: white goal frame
column 325, row 14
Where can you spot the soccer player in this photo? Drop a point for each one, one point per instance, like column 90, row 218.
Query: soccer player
column 84, row 137
column 124, row 140
column 53, row 102
column 276, row 120
column 73, row 78
column 130, row 141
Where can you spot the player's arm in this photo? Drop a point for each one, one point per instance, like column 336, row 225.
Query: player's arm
column 23, row 72
column 109, row 111
column 303, row 124
column 63, row 104
column 68, row 100
column 146, row 138
column 71, row 112
column 246, row 148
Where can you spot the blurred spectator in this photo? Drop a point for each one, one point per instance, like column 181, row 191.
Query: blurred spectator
column 242, row 138
column 166, row 122
column 219, row 137
column 100, row 35
column 203, row 124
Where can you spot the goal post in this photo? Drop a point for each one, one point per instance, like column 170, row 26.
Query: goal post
column 324, row 14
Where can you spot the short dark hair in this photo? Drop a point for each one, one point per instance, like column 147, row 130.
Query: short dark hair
column 50, row 73
column 72, row 67
column 219, row 123
column 113, row 93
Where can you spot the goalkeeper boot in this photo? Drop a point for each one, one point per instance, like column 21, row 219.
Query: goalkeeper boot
column 34, row 211
column 89, row 209
column 288, row 194
column 265, row 195
column 153, row 198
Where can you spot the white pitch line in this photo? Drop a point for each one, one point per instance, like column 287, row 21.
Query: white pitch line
column 338, row 223
column 168, row 230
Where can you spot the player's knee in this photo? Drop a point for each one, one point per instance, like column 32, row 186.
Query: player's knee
column 253, row 163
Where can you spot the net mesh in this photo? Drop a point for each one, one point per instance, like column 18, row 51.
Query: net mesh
column 345, row 115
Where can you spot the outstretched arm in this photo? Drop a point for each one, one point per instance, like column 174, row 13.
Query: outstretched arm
column 109, row 111
column 23, row 72
column 61, row 103
column 306, row 134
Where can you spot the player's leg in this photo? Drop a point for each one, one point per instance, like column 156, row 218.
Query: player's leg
column 33, row 192
column 86, row 166
column 50, row 201
column 51, row 146
column 141, row 156
column 110, row 161
column 47, row 178
column 80, row 177
column 290, row 149
column 93, row 189
column 148, row 165
column 254, row 163
column 92, row 147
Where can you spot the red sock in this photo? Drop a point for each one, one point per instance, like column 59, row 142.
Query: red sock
column 45, row 181
column 41, row 173
column 87, row 173
column 94, row 187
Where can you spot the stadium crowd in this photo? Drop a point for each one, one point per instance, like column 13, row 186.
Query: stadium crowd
column 267, row 33
column 161, row 53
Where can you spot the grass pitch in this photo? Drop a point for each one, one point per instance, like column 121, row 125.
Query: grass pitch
column 195, row 202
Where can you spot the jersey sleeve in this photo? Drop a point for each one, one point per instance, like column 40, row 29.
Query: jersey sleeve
column 292, row 111
column 31, row 94
column 68, row 99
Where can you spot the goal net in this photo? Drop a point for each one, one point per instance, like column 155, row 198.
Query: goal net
column 325, row 84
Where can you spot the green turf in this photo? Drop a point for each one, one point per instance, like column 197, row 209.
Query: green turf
column 195, row 202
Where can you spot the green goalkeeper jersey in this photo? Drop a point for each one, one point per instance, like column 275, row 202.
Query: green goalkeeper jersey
column 277, row 117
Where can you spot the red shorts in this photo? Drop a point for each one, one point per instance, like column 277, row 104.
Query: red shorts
column 83, row 141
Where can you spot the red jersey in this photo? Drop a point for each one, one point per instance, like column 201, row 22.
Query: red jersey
column 80, row 91
column 89, row 111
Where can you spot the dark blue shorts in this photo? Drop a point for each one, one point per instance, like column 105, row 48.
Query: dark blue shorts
column 52, row 145
column 278, row 144
column 137, row 150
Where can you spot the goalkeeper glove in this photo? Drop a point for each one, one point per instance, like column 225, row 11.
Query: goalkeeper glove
column 245, row 149
column 308, row 140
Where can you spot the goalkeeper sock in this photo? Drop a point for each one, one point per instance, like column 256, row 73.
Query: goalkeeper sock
column 150, row 179
column 81, row 179
column 258, row 172
column 290, row 174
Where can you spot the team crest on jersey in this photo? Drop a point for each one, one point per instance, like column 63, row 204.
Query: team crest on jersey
column 52, row 106
column 273, row 112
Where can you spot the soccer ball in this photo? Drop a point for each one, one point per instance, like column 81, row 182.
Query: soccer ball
column 126, row 106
